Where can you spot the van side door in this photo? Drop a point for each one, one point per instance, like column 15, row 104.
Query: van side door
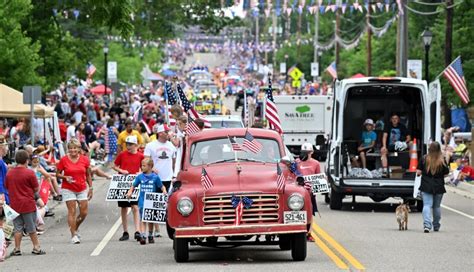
column 434, row 105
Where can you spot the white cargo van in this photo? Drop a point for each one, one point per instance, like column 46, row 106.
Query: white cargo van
column 305, row 118
column 378, row 98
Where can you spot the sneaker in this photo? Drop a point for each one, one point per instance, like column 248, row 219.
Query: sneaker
column 426, row 230
column 75, row 240
column 49, row 214
column 137, row 235
column 151, row 240
column 436, row 229
column 142, row 241
column 310, row 238
column 124, row 237
column 157, row 234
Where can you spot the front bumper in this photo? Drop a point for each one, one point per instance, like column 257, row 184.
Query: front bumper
column 241, row 230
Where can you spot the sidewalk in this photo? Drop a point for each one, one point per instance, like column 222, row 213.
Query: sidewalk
column 465, row 189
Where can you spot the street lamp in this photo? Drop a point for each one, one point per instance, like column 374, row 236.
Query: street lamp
column 106, row 52
column 427, row 37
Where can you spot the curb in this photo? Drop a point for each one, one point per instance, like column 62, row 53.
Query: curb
column 463, row 189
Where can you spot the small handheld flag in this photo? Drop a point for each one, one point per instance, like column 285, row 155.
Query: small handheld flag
column 205, row 180
column 251, row 143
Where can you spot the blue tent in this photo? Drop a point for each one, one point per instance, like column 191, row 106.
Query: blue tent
column 168, row 73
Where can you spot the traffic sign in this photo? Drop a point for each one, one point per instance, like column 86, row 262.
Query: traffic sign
column 31, row 95
column 296, row 83
column 295, row 73
column 314, row 69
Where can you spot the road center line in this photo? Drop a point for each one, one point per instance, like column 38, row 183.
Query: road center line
column 458, row 212
column 107, row 237
column 341, row 264
column 338, row 247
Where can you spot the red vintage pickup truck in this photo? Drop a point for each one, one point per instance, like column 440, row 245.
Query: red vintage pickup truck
column 270, row 216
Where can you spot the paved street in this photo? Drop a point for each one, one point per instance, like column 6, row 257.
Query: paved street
column 361, row 236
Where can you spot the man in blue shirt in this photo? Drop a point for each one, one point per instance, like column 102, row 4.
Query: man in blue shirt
column 367, row 141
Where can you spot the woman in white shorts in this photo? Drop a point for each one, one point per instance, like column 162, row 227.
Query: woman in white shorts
column 74, row 170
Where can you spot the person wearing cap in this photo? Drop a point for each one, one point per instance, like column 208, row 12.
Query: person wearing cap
column 128, row 131
column 163, row 154
column 128, row 162
column 368, row 139
column 306, row 165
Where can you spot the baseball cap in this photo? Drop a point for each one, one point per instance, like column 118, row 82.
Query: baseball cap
column 369, row 122
column 132, row 139
column 162, row 128
column 307, row 147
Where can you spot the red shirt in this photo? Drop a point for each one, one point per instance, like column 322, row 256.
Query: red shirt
column 63, row 131
column 308, row 167
column 130, row 162
column 22, row 184
column 76, row 170
column 151, row 123
column 469, row 171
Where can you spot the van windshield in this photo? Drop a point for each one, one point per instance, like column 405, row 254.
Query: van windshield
column 220, row 150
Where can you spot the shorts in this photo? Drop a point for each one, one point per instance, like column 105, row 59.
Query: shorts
column 126, row 204
column 69, row 195
column 26, row 222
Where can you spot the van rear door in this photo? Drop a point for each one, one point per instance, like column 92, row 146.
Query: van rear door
column 434, row 104
column 334, row 157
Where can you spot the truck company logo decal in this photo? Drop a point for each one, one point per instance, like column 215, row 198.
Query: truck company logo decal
column 301, row 112
column 303, row 109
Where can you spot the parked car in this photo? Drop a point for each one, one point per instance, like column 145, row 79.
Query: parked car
column 199, row 217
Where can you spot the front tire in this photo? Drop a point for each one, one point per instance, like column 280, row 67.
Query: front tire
column 170, row 231
column 298, row 247
column 181, row 249
column 335, row 201
column 284, row 242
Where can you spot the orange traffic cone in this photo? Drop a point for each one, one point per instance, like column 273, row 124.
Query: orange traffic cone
column 413, row 157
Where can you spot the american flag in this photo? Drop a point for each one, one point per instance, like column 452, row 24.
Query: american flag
column 90, row 70
column 332, row 70
column 454, row 74
column 205, row 180
column 138, row 114
column 235, row 145
column 189, row 109
column 170, row 98
column 271, row 112
column 148, row 130
column 239, row 203
column 251, row 143
column 280, row 178
column 192, row 128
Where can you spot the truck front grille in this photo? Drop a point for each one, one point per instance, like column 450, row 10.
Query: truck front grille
column 219, row 210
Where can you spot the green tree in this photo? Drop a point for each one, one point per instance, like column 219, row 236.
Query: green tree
column 19, row 57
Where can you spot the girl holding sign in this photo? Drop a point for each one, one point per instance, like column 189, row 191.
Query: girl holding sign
column 149, row 182
column 308, row 166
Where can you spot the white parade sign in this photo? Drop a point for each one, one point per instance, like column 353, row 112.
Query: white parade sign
column 314, row 69
column 154, row 208
column 319, row 183
column 119, row 186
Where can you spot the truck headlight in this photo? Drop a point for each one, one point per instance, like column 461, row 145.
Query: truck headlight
column 295, row 202
column 185, row 206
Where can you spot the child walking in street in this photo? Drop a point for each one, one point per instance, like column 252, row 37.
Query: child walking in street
column 151, row 183
column 128, row 162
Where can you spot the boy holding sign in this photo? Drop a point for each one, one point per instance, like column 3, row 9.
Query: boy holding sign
column 128, row 162
column 149, row 182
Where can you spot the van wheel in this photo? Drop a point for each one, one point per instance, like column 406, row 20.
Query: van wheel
column 419, row 205
column 181, row 249
column 335, row 201
column 170, row 231
column 298, row 247
column 284, row 242
column 326, row 198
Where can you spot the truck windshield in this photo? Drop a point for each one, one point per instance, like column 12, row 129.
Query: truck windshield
column 220, row 150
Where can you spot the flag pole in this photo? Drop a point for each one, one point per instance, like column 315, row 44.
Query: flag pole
column 167, row 117
column 446, row 68
column 246, row 117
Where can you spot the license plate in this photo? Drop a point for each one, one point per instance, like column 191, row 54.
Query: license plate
column 294, row 217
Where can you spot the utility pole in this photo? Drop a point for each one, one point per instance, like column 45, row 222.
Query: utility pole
column 256, row 38
column 402, row 41
column 274, row 30
column 298, row 36
column 316, row 40
column 369, row 45
column 336, row 34
column 448, row 47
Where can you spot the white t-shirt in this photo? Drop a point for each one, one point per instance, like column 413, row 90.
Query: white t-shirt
column 135, row 106
column 70, row 133
column 78, row 116
column 162, row 155
column 179, row 152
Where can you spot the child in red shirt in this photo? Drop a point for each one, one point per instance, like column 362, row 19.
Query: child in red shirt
column 128, row 162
